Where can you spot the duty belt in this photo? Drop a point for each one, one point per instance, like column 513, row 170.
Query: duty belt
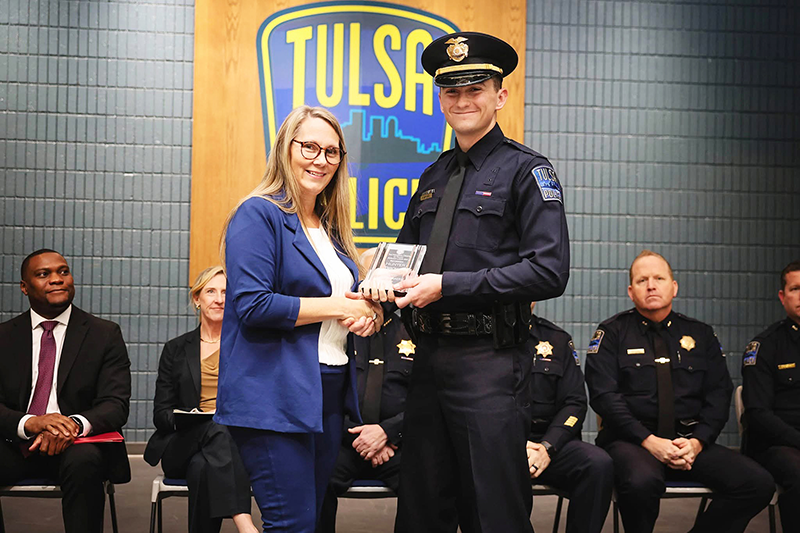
column 473, row 324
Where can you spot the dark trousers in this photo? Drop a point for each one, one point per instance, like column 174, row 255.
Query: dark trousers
column 465, row 428
column 289, row 472
column 743, row 487
column 207, row 457
column 586, row 472
column 783, row 462
column 350, row 466
column 80, row 470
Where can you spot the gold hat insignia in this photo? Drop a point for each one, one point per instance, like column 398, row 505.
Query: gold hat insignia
column 406, row 347
column 457, row 50
column 688, row 343
column 544, row 349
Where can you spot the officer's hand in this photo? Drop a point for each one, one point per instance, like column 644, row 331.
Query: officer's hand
column 663, row 450
column 371, row 439
column 420, row 290
column 689, row 449
column 538, row 458
column 376, row 290
column 55, row 423
column 383, row 456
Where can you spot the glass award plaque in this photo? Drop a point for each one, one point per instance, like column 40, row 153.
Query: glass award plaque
column 392, row 264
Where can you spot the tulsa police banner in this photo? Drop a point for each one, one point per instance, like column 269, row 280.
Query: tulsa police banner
column 361, row 61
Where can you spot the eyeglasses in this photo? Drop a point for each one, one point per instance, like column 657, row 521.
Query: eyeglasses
column 310, row 150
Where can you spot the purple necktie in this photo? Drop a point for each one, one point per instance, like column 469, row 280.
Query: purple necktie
column 47, row 363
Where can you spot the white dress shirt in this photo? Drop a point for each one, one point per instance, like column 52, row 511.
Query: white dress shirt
column 59, row 332
column 332, row 335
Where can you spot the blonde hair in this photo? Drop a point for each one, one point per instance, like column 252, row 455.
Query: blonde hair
column 649, row 253
column 202, row 280
column 280, row 187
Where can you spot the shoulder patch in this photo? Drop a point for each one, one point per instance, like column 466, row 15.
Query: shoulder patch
column 574, row 353
column 750, row 353
column 594, row 344
column 548, row 183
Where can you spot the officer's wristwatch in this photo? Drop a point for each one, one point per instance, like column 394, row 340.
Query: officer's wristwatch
column 80, row 424
column 548, row 448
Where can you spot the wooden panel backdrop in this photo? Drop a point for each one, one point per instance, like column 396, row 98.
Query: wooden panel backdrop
column 227, row 134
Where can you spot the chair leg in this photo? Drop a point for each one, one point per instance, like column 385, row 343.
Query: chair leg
column 701, row 509
column 557, row 518
column 160, row 522
column 153, row 517
column 112, row 506
column 772, row 519
column 616, row 517
column 2, row 522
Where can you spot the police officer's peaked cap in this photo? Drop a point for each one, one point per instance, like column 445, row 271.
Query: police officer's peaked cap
column 465, row 58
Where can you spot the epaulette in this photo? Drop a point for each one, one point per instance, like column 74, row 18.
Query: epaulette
column 522, row 148
column 690, row 319
column 618, row 315
column 772, row 329
column 549, row 325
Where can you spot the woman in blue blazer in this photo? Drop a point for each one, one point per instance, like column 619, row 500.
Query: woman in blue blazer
column 285, row 378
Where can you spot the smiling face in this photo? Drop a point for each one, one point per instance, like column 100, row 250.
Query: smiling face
column 211, row 300
column 652, row 287
column 48, row 284
column 313, row 175
column 472, row 110
column 790, row 295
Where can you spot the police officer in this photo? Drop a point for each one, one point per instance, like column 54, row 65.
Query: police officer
column 660, row 383
column 372, row 450
column 492, row 216
column 771, row 373
column 556, row 454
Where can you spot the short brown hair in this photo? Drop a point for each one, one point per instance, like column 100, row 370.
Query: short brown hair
column 794, row 266
column 648, row 253
column 497, row 80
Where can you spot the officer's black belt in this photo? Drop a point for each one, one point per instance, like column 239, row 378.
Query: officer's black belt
column 467, row 324
column 683, row 428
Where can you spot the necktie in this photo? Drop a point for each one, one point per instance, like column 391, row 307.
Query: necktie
column 47, row 363
column 437, row 242
column 666, row 398
column 371, row 409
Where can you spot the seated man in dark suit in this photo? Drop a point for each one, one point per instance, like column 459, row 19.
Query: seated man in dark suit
column 556, row 454
column 63, row 374
column 372, row 450
column 770, row 375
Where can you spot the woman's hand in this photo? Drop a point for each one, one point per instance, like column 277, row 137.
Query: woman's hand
column 362, row 317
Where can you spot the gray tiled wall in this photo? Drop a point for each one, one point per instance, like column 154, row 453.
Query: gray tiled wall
column 672, row 125
column 95, row 147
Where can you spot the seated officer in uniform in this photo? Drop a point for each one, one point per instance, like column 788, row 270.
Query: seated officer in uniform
column 771, row 373
column 372, row 450
column 660, row 383
column 556, row 454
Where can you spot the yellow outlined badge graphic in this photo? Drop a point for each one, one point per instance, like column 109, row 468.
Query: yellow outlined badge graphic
column 361, row 61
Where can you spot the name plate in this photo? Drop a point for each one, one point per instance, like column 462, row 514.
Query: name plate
column 392, row 264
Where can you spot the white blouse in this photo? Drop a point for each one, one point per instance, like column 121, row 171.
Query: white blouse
column 332, row 335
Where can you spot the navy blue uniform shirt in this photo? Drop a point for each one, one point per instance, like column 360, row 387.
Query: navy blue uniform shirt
column 557, row 386
column 621, row 374
column 398, row 356
column 771, row 392
column 509, row 239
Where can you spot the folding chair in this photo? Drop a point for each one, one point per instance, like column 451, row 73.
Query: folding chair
column 47, row 488
column 547, row 490
column 164, row 487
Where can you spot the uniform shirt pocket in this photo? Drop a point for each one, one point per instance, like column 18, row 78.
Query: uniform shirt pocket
column 689, row 374
column 637, row 373
column 788, row 377
column 479, row 222
column 544, row 382
column 424, row 215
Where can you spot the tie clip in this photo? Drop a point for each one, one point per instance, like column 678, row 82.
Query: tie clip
column 662, row 360
column 379, row 362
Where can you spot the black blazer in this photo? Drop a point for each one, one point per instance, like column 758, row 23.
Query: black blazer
column 94, row 379
column 177, row 387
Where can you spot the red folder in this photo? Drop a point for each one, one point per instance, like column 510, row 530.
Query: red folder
column 113, row 436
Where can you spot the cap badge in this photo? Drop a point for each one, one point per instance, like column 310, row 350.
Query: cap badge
column 688, row 343
column 544, row 348
column 457, row 50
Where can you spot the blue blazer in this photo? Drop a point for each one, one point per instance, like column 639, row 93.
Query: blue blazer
column 269, row 375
